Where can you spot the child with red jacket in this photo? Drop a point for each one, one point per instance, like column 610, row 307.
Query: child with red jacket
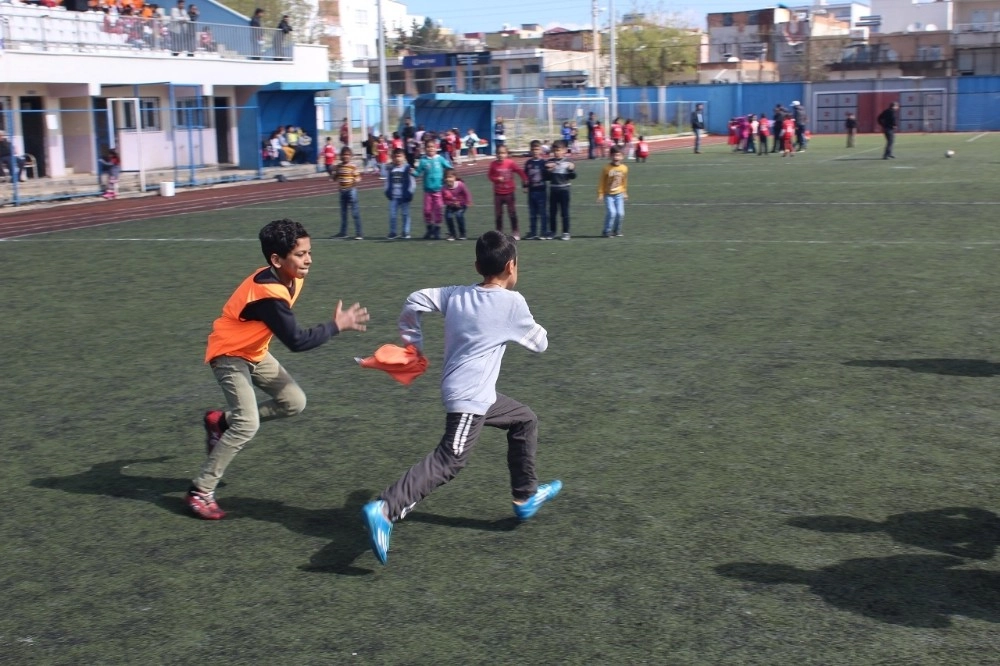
column 501, row 174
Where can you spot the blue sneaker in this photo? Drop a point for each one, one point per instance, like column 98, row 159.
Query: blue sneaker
column 379, row 528
column 545, row 492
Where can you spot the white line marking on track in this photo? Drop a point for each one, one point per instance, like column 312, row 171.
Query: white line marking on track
column 978, row 136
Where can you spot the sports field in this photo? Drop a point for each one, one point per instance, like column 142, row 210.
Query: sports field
column 773, row 404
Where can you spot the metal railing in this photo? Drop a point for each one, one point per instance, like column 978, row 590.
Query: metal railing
column 48, row 29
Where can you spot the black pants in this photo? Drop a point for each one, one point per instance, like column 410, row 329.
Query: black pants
column 558, row 203
column 452, row 454
column 890, row 140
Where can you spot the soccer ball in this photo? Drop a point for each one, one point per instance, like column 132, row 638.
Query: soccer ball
column 949, row 153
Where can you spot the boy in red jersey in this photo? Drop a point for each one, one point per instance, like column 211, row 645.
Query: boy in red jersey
column 259, row 309
column 641, row 149
column 501, row 174
column 787, row 135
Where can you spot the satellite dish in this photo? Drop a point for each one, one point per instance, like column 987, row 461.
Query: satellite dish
column 915, row 27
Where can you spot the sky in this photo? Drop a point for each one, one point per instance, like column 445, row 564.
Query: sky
column 471, row 16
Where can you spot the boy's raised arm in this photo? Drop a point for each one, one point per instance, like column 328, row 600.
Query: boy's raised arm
column 425, row 300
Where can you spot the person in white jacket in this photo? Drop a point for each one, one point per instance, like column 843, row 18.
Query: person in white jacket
column 479, row 321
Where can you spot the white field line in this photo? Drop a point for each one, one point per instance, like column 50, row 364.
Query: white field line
column 978, row 136
column 653, row 240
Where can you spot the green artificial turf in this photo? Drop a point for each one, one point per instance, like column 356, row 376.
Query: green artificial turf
column 773, row 404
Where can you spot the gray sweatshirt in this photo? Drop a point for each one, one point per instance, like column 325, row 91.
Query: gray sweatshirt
column 478, row 324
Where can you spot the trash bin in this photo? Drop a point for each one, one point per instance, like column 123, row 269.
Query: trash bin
column 167, row 188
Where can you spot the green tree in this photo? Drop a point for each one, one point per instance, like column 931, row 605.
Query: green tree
column 422, row 39
column 652, row 48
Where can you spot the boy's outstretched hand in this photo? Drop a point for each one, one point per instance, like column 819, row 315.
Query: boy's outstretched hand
column 353, row 318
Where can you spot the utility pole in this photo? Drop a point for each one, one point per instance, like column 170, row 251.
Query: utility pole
column 596, row 78
column 614, row 61
column 383, row 82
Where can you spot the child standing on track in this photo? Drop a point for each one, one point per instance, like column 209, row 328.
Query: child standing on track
column 479, row 321
column 501, row 174
column 431, row 168
column 457, row 200
column 259, row 309
column 538, row 176
column 330, row 157
column 399, row 187
column 348, row 175
column 612, row 188
column 560, row 171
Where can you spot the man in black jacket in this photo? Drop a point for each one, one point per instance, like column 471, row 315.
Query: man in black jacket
column 889, row 119
column 779, row 118
column 698, row 125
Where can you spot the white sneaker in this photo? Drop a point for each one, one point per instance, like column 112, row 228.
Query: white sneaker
column 565, row 236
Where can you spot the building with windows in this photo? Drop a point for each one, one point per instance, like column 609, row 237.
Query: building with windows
column 976, row 37
column 165, row 94
column 350, row 32
column 484, row 71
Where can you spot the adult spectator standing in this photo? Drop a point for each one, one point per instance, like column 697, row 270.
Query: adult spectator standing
column 345, row 135
column 7, row 157
column 591, row 120
column 499, row 135
column 889, row 120
column 282, row 41
column 801, row 124
column 851, row 126
column 778, row 124
column 257, row 33
column 191, row 30
column 698, row 126
column 409, row 138
column 179, row 24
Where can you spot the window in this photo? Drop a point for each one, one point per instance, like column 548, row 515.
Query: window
column 149, row 112
column 361, row 50
column 532, row 69
column 191, row 112
column 422, row 81
column 5, row 110
column 361, row 17
column 514, row 71
column 397, row 83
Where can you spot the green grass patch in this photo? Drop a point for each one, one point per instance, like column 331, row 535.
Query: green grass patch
column 772, row 403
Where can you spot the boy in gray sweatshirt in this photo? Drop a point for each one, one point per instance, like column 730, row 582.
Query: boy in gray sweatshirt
column 479, row 321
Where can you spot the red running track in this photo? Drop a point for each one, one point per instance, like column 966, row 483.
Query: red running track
column 97, row 212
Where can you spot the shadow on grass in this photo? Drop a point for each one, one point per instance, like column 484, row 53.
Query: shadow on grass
column 342, row 524
column 907, row 590
column 962, row 367
column 958, row 531
column 108, row 479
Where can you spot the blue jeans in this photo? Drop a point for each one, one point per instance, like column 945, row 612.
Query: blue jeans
column 615, row 216
column 455, row 217
column 697, row 140
column 349, row 202
column 536, row 211
column 399, row 209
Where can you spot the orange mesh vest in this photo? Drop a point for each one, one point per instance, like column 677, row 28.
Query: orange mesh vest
column 233, row 336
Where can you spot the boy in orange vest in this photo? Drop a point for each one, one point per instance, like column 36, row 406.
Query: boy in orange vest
column 259, row 309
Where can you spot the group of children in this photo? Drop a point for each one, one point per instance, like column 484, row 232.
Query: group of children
column 479, row 321
column 546, row 179
column 750, row 134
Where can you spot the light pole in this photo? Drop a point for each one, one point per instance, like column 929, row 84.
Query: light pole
column 383, row 83
column 614, row 60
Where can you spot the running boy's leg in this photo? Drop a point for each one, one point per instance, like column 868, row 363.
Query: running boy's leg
column 521, row 425
column 237, row 377
column 438, row 467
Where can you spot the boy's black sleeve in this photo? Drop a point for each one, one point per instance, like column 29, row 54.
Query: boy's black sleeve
column 279, row 317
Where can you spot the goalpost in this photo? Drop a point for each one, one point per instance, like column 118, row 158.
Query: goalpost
column 561, row 109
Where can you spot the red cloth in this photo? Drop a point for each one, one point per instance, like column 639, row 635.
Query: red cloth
column 404, row 364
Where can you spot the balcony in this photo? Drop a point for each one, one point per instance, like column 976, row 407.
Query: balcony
column 975, row 35
column 55, row 30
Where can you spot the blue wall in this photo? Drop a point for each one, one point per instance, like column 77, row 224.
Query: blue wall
column 978, row 104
